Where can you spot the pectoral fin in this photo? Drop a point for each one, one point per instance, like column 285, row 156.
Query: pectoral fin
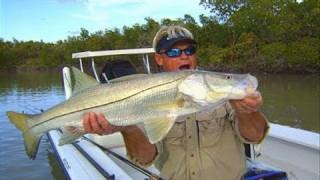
column 158, row 128
column 70, row 134
column 166, row 107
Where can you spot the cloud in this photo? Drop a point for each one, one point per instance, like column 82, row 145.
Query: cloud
column 73, row 33
column 69, row 1
column 126, row 12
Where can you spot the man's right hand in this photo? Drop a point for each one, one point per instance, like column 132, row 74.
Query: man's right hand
column 96, row 123
column 138, row 147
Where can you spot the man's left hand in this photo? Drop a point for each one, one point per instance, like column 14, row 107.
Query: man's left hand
column 249, row 104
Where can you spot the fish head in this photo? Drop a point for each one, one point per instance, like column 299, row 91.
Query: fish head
column 204, row 87
column 230, row 86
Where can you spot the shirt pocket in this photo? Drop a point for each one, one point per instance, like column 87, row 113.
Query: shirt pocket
column 176, row 134
column 211, row 126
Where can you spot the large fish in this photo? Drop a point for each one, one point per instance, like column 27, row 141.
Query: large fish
column 154, row 100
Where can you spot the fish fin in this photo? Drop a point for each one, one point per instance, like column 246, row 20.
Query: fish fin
column 177, row 104
column 19, row 120
column 31, row 141
column 31, row 144
column 70, row 134
column 157, row 129
column 80, row 80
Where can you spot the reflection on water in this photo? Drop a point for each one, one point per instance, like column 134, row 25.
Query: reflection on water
column 55, row 168
column 288, row 99
column 292, row 100
column 29, row 93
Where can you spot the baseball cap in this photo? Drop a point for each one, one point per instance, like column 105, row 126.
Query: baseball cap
column 167, row 36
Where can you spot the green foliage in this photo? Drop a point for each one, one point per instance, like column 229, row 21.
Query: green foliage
column 298, row 53
column 273, row 54
column 223, row 8
column 279, row 34
column 264, row 35
column 211, row 55
column 304, row 52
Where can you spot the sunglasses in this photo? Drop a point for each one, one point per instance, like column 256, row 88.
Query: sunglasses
column 176, row 52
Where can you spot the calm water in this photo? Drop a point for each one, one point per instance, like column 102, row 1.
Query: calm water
column 27, row 92
column 292, row 100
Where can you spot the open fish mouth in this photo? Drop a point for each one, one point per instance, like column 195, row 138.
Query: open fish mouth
column 185, row 67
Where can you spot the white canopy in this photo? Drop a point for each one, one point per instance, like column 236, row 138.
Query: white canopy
column 90, row 54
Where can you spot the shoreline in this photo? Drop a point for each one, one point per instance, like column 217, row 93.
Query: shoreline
column 266, row 70
column 218, row 68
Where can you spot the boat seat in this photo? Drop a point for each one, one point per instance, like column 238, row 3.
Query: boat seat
column 115, row 69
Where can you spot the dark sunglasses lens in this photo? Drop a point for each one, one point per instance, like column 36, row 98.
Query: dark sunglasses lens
column 190, row 50
column 173, row 52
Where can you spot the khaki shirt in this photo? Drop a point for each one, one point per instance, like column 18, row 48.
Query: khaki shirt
column 204, row 145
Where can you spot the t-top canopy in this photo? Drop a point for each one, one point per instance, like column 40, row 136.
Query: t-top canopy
column 90, row 54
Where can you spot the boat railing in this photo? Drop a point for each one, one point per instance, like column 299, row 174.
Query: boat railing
column 92, row 54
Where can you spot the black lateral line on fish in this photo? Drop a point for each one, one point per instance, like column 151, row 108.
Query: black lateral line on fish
column 128, row 97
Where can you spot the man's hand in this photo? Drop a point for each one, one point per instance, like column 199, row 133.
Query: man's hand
column 98, row 124
column 138, row 147
column 249, row 104
column 252, row 124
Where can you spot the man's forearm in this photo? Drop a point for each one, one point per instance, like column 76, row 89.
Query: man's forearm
column 252, row 126
column 138, row 147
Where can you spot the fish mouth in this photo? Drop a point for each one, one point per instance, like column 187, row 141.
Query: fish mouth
column 185, row 67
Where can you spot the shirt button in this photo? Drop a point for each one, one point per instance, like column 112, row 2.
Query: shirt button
column 191, row 155
column 193, row 173
column 189, row 137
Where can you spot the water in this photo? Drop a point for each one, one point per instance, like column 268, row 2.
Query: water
column 292, row 100
column 29, row 93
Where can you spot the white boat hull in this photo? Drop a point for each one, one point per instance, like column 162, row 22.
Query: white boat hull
column 292, row 150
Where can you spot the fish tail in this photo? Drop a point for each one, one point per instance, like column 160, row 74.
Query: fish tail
column 31, row 140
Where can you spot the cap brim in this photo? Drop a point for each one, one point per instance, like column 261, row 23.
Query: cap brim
column 169, row 43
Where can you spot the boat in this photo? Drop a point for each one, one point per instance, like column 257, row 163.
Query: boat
column 285, row 153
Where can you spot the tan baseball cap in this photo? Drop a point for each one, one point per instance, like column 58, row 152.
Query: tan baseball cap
column 167, row 36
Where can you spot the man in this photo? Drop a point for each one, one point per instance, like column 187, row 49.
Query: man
column 203, row 145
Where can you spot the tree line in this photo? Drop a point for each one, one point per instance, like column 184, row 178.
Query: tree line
column 239, row 35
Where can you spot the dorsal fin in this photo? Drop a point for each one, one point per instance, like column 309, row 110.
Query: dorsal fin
column 80, row 80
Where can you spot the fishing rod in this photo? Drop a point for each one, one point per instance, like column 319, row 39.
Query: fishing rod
column 28, row 108
column 146, row 172
column 34, row 107
column 93, row 162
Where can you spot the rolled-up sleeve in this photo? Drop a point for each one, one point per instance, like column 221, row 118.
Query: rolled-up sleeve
column 235, row 125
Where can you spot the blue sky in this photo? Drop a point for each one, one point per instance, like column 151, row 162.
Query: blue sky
column 52, row 20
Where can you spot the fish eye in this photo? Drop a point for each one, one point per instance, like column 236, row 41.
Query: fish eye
column 228, row 77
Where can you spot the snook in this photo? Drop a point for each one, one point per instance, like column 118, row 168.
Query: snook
column 154, row 100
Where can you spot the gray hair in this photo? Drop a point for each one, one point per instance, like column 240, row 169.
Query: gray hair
column 171, row 32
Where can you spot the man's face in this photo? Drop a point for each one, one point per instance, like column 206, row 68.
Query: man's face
column 177, row 63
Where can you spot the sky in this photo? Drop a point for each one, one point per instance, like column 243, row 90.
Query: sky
column 53, row 20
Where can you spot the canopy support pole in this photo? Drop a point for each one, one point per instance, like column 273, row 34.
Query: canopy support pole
column 94, row 70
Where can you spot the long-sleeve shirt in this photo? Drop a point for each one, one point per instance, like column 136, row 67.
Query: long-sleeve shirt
column 204, row 145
